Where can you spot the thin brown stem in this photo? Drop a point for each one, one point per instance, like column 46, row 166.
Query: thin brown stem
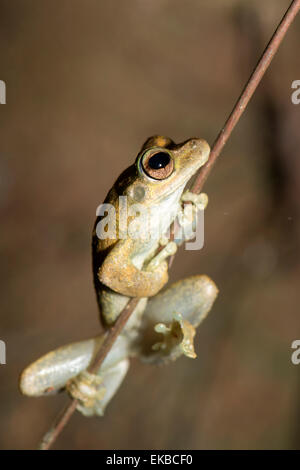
column 59, row 423
column 249, row 89
column 112, row 335
column 63, row 417
column 247, row 93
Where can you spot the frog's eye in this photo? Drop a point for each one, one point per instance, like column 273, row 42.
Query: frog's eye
column 157, row 164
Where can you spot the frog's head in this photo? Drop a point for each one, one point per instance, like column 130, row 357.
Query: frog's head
column 161, row 169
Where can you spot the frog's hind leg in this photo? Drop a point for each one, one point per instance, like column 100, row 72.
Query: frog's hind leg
column 65, row 368
column 169, row 322
column 51, row 372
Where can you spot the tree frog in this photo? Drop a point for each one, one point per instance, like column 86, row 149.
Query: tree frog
column 130, row 252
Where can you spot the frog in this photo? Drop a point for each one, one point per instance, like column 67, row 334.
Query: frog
column 131, row 249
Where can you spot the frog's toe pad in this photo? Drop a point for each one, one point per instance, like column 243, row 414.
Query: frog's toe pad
column 94, row 391
column 86, row 388
column 178, row 338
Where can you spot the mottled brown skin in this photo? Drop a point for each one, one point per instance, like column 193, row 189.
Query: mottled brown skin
column 112, row 258
column 161, row 328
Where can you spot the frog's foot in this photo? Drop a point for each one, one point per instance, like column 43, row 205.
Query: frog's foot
column 178, row 338
column 86, row 388
column 199, row 201
column 193, row 298
column 169, row 249
column 94, row 391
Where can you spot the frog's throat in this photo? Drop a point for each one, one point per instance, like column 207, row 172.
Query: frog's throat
column 179, row 186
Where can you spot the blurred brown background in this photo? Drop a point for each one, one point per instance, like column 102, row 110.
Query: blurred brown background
column 87, row 83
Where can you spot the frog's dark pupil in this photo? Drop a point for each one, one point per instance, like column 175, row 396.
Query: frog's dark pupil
column 159, row 160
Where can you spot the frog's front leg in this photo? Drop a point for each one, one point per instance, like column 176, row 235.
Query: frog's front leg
column 120, row 274
column 171, row 317
column 169, row 249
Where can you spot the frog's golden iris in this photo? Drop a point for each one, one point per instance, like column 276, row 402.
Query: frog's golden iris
column 158, row 164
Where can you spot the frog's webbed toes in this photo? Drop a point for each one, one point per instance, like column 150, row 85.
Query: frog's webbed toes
column 199, row 201
column 86, row 388
column 178, row 339
column 94, row 391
